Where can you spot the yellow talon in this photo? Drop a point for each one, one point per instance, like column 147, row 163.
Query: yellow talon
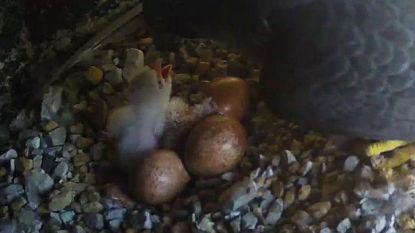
column 377, row 148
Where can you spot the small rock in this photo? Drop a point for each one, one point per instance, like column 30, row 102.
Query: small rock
column 58, row 136
column 26, row 164
column 18, row 203
column 94, row 221
column 302, row 219
column 83, row 143
column 94, row 75
column 278, row 189
column 344, row 225
column 78, row 229
column 180, row 227
column 319, row 209
column 107, row 88
column 61, row 170
column 304, row 192
column 37, row 161
column 10, row 154
column 28, row 220
column 93, row 207
column 114, row 192
column 236, row 224
column 115, row 214
column 80, row 159
column 289, row 198
column 239, row 194
column 10, row 193
column 289, row 157
column 274, row 212
column 67, row 216
column 114, row 224
column 97, row 151
column 37, row 183
column 325, row 230
column 306, row 168
column 406, row 222
column 249, row 221
column 59, row 199
column 51, row 103
column 351, row 163
column 33, row 143
column 113, row 74
column 376, row 223
column 77, row 129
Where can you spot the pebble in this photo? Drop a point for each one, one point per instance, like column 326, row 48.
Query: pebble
column 115, row 214
column 406, row 222
column 61, row 170
column 80, row 159
column 344, row 225
column 289, row 157
column 58, row 136
column 113, row 74
column 302, row 219
column 93, row 207
column 59, row 199
column 306, row 168
column 77, row 128
column 289, row 198
column 374, row 223
column 277, row 188
column 51, row 103
column 6, row 156
column 236, row 224
column 275, row 212
column 67, row 216
column 94, row 75
column 83, row 142
column 19, row 203
column 37, row 161
column 319, row 209
column 249, row 221
column 10, row 193
column 37, row 183
column 28, row 220
column 351, row 163
column 27, row 164
column 78, row 229
column 304, row 192
column 94, row 221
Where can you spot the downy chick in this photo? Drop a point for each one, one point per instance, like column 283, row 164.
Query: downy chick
column 137, row 126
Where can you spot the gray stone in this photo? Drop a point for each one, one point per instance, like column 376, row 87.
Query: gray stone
column 375, row 222
column 94, row 221
column 93, row 207
column 274, row 212
column 28, row 220
column 302, row 219
column 52, row 101
column 67, row 216
column 6, row 156
column 249, row 221
column 60, row 199
column 37, row 161
column 8, row 226
column 78, row 229
column 61, row 170
column 344, row 225
column 113, row 74
column 326, row 230
column 115, row 224
column 238, row 195
column 55, row 218
column 236, row 224
column 351, row 163
column 33, row 143
column 289, row 157
column 115, row 214
column 10, row 193
column 58, row 136
column 206, row 224
column 110, row 203
column 37, row 183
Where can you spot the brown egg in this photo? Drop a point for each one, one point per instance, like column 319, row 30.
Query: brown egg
column 160, row 177
column 215, row 146
column 231, row 94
